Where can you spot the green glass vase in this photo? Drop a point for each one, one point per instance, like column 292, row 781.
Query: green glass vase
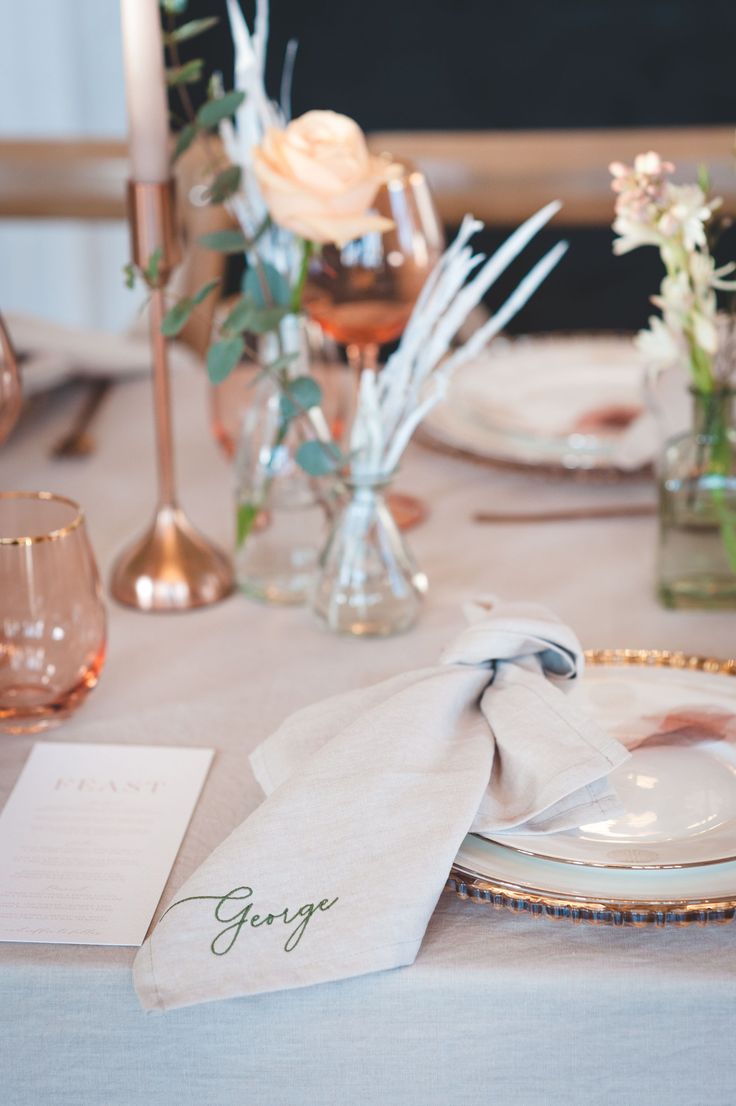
column 697, row 508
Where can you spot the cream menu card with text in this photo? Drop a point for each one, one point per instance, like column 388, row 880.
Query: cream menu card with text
column 88, row 837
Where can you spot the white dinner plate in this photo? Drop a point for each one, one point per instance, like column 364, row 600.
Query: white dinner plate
column 677, row 790
column 561, row 401
column 674, row 844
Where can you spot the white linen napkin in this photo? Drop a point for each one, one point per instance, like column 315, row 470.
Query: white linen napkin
column 53, row 353
column 370, row 794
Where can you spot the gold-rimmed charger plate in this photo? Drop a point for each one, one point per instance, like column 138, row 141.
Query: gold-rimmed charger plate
column 637, row 886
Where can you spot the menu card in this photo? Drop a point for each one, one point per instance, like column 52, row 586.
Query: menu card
column 88, row 837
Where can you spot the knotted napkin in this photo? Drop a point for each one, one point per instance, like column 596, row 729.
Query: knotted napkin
column 370, row 794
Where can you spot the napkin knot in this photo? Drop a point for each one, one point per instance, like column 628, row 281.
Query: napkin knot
column 527, row 634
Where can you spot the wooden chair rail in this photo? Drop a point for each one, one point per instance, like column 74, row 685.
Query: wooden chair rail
column 86, row 180
column 75, row 179
column 502, row 176
column 498, row 175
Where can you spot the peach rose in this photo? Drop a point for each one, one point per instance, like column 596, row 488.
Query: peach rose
column 318, row 178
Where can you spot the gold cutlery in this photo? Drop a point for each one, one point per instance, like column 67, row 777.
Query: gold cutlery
column 78, row 442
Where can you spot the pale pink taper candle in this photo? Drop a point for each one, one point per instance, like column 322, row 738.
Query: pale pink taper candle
column 145, row 91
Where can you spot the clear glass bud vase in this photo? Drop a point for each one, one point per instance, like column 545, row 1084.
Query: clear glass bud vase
column 697, row 508
column 368, row 584
column 280, row 524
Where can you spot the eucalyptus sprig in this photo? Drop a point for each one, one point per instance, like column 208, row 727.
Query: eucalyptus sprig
column 266, row 296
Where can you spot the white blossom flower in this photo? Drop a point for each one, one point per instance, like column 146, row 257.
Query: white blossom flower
column 650, row 210
column 651, row 165
column 717, row 275
column 685, row 215
column 632, row 234
column 676, row 297
column 702, row 270
column 704, row 330
column 658, row 345
column 646, row 176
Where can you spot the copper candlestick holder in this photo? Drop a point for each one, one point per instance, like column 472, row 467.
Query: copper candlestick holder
column 172, row 567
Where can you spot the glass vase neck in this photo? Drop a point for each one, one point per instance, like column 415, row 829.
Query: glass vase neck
column 376, row 482
column 711, row 409
column 290, row 340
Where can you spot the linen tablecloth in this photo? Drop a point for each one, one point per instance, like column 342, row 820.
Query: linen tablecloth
column 498, row 1008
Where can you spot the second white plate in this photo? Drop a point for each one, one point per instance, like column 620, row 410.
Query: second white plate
column 551, row 400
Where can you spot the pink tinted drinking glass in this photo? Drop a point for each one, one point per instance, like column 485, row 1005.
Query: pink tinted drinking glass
column 52, row 617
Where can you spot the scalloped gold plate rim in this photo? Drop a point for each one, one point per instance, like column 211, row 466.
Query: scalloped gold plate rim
column 503, row 896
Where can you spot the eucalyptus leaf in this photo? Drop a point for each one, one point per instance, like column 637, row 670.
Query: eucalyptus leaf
column 152, row 269
column 247, row 515
column 278, row 285
column 225, row 184
column 190, row 30
column 184, row 139
column 174, row 7
column 222, row 357
column 189, row 73
column 263, row 319
column 214, row 111
column 261, row 229
column 319, row 458
column 281, row 362
column 177, row 317
column 299, row 395
column 130, row 274
column 287, row 411
column 204, row 291
column 239, row 318
column 225, row 241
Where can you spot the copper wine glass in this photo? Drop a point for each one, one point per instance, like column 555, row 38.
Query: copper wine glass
column 363, row 294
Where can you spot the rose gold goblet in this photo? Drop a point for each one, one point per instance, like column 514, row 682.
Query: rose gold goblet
column 363, row 294
column 52, row 618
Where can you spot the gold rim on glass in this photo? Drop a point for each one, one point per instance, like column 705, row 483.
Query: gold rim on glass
column 50, row 535
column 501, row 894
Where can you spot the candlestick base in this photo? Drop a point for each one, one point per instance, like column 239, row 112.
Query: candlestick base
column 171, row 568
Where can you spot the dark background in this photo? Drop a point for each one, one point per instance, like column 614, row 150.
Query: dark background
column 496, row 64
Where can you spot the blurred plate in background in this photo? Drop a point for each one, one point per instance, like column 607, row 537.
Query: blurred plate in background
column 559, row 401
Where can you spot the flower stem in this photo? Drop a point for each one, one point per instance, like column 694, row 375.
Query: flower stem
column 301, row 280
column 722, row 457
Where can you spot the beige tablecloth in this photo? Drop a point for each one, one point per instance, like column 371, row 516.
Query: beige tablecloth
column 548, row 1012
